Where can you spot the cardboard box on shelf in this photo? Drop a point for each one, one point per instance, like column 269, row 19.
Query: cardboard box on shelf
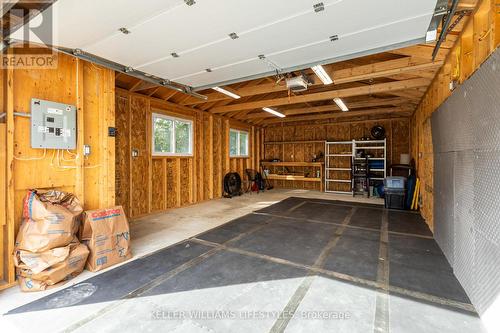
column 106, row 233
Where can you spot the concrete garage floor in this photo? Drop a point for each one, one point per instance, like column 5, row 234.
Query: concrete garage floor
column 303, row 264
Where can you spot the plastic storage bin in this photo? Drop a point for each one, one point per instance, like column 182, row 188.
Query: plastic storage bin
column 395, row 192
column 394, row 199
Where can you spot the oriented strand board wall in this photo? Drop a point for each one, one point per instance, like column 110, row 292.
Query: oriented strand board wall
column 92, row 179
column 314, row 135
column 478, row 40
column 149, row 183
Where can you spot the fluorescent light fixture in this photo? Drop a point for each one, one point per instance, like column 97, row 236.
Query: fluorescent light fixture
column 225, row 92
column 340, row 103
column 322, row 74
column 276, row 113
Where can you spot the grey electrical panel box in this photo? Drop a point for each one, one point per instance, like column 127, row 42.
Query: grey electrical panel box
column 53, row 125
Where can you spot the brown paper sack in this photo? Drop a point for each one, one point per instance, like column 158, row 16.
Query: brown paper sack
column 58, row 274
column 106, row 233
column 37, row 262
column 50, row 220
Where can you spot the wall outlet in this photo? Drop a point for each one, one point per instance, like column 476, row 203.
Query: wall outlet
column 135, row 153
column 86, row 150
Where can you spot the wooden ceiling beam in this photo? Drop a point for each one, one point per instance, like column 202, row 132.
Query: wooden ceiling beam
column 336, row 115
column 421, row 51
column 357, row 73
column 320, row 96
column 170, row 95
column 345, row 77
column 144, row 85
column 370, row 103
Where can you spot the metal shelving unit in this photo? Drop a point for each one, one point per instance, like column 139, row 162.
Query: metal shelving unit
column 337, row 160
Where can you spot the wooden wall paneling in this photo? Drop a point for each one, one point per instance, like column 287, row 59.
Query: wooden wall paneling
column 309, row 132
column 185, row 190
column 48, row 86
column 158, row 199
column 139, row 165
column 400, row 129
column 496, row 27
column 338, row 132
column 288, row 152
column 319, row 132
column 199, row 162
column 467, row 51
column 91, row 89
column 299, row 152
column 123, row 152
column 9, row 231
column 165, row 183
column 108, row 158
column 225, row 147
column 98, row 116
column 3, row 204
column 208, row 151
column 483, row 30
column 288, row 133
column 80, row 136
column 217, row 156
column 178, row 182
column 171, row 183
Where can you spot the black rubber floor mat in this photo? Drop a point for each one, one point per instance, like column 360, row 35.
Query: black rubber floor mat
column 408, row 223
column 321, row 212
column 300, row 241
column 234, row 228
column 433, row 282
column 225, row 269
column 118, row 282
column 418, row 264
column 367, row 218
column 418, row 253
column 356, row 256
column 281, row 206
column 345, row 203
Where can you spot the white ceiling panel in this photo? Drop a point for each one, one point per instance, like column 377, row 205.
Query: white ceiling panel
column 358, row 44
column 226, row 74
column 288, row 33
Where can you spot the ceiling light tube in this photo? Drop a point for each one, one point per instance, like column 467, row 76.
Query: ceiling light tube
column 322, row 74
column 276, row 113
column 225, row 92
column 340, row 103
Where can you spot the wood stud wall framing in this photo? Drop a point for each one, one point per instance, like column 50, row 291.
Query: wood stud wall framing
column 147, row 183
column 91, row 88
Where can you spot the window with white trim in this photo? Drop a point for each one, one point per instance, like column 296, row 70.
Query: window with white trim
column 172, row 136
column 238, row 143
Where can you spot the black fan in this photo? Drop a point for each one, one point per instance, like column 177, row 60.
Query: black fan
column 378, row 132
column 232, row 185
